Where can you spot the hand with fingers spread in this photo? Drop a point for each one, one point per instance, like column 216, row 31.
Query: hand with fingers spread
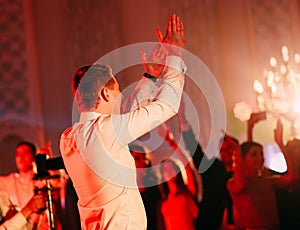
column 174, row 36
column 153, row 65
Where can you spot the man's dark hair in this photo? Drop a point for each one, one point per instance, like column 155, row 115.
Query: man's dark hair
column 30, row 145
column 89, row 84
column 78, row 76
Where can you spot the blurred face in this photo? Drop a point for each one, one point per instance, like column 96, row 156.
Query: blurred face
column 226, row 153
column 168, row 171
column 254, row 160
column 24, row 158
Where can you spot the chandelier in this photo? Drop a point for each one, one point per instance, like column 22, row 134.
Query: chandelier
column 279, row 92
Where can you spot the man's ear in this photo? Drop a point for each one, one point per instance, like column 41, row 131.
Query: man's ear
column 105, row 94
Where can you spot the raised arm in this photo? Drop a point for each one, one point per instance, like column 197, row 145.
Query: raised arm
column 153, row 65
column 254, row 118
column 191, row 144
column 287, row 150
column 166, row 102
column 194, row 178
column 146, row 88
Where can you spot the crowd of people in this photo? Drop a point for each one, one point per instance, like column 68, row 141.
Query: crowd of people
column 114, row 179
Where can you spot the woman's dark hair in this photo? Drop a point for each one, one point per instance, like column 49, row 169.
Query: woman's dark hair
column 246, row 146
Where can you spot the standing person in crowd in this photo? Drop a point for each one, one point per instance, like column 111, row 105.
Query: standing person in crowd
column 214, row 176
column 147, row 181
column 252, row 187
column 95, row 149
column 181, row 188
column 227, row 157
column 288, row 194
column 11, row 219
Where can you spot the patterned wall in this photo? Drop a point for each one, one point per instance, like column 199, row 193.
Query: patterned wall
column 13, row 65
column 19, row 118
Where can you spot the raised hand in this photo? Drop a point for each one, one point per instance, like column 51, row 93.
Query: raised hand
column 174, row 36
column 153, row 64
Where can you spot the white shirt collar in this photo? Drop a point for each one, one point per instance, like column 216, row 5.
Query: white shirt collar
column 87, row 116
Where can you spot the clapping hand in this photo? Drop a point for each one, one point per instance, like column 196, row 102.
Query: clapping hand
column 154, row 63
column 174, row 36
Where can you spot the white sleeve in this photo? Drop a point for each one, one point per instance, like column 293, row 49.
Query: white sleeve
column 164, row 105
column 142, row 94
column 17, row 222
column 146, row 90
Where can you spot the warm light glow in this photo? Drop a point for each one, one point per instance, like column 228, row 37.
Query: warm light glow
column 280, row 92
column 280, row 106
column 274, row 88
column 242, row 111
column 283, row 69
column 270, row 79
column 274, row 159
column 258, row 87
column 296, row 105
column 273, row 62
column 285, row 53
column 261, row 103
column 297, row 58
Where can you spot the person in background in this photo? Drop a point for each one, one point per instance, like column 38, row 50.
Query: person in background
column 147, row 182
column 11, row 219
column 214, row 176
column 181, row 188
column 252, row 187
column 288, row 194
column 178, row 207
column 114, row 201
column 20, row 185
column 227, row 157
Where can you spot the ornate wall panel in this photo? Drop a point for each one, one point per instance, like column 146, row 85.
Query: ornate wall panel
column 20, row 116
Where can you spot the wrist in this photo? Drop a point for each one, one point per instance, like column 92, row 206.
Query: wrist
column 151, row 77
column 26, row 212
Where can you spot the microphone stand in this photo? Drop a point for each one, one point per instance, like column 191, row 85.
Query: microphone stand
column 48, row 188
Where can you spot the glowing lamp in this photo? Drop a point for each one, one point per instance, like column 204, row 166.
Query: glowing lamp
column 242, row 111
